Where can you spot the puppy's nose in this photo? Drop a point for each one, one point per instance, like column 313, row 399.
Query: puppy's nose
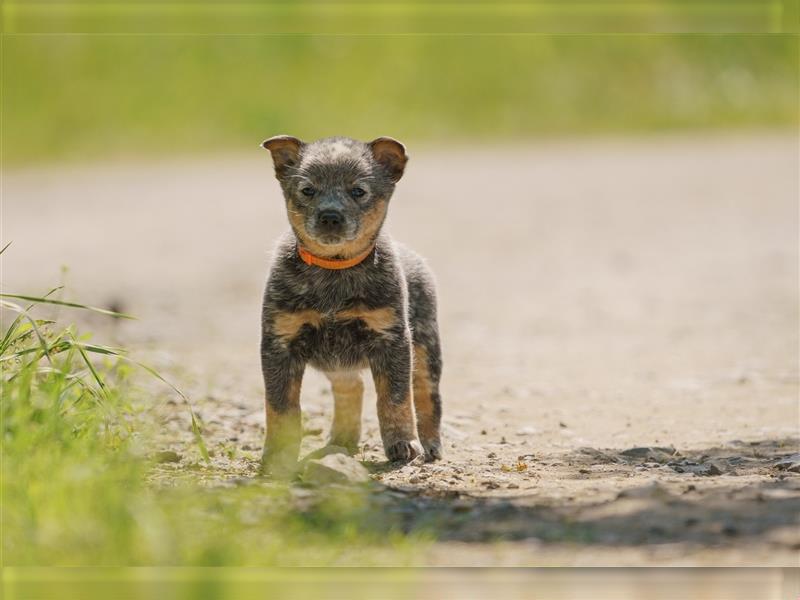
column 331, row 219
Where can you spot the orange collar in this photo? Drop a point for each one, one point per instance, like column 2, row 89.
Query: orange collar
column 333, row 263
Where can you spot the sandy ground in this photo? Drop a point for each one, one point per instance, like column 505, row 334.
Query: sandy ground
column 619, row 318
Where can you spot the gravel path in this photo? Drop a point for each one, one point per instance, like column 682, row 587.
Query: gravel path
column 620, row 325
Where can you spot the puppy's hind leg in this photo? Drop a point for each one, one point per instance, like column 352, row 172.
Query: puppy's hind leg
column 427, row 402
column 348, row 395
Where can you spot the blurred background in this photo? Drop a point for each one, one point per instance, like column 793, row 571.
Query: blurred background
column 607, row 194
column 77, row 98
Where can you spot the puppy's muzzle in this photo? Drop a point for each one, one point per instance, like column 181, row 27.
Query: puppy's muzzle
column 330, row 222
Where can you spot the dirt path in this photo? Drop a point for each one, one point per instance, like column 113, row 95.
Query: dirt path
column 596, row 297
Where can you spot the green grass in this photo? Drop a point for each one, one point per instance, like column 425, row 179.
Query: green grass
column 76, row 451
column 87, row 97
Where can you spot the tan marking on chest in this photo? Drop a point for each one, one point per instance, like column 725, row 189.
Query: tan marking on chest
column 379, row 320
column 288, row 324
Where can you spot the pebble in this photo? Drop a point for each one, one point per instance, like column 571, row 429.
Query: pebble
column 650, row 453
column 325, row 451
column 335, row 468
column 706, row 469
column 789, row 463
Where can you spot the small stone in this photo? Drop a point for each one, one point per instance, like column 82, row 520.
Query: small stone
column 789, row 463
column 649, row 453
column 335, row 468
column 325, row 451
column 599, row 456
column 709, row 468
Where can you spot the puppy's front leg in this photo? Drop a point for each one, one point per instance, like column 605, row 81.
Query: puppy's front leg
column 391, row 370
column 283, row 374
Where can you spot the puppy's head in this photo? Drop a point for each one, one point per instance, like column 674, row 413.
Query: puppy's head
column 337, row 189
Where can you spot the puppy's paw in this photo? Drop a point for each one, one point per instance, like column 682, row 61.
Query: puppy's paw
column 433, row 450
column 404, row 451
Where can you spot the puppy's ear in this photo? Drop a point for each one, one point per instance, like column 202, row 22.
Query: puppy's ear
column 391, row 155
column 285, row 151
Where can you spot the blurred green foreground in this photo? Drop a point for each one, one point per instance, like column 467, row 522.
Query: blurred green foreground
column 77, row 454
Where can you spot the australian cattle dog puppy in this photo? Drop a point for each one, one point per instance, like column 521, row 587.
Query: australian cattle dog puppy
column 342, row 296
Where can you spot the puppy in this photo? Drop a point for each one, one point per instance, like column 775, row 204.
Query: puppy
column 342, row 296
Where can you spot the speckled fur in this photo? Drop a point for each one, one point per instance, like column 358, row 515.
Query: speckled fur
column 372, row 315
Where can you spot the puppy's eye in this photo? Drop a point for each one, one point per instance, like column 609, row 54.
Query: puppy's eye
column 357, row 192
column 307, row 191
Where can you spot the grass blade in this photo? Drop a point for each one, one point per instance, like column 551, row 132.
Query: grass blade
column 32, row 321
column 44, row 300
column 198, row 436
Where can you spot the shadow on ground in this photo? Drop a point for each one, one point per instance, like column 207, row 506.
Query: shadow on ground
column 735, row 507
column 733, row 495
